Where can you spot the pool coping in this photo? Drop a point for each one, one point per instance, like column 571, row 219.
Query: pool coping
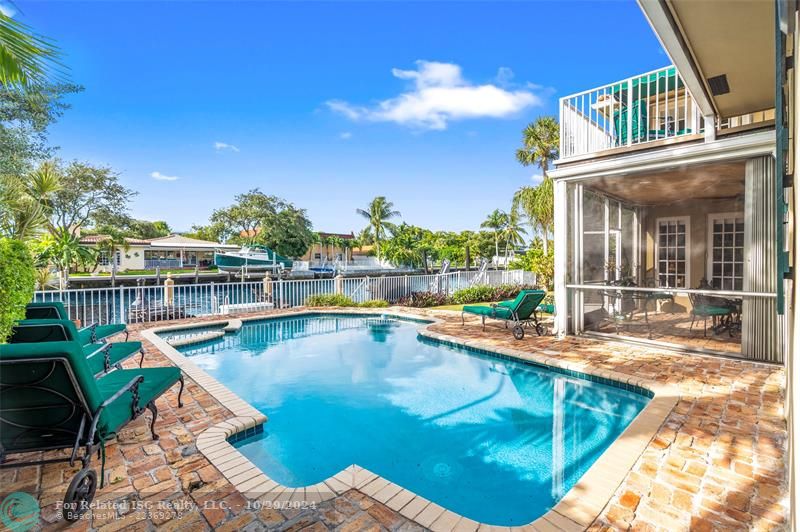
column 575, row 511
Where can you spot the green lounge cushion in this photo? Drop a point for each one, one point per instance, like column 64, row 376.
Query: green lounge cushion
column 117, row 352
column 100, row 332
column 119, row 412
column 34, row 331
column 546, row 307
column 55, row 310
column 707, row 310
column 502, row 313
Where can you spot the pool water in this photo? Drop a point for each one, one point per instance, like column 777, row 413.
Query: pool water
column 497, row 441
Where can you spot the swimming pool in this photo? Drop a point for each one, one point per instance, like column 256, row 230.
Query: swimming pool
column 494, row 440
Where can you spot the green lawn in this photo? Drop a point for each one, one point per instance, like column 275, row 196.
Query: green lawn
column 140, row 272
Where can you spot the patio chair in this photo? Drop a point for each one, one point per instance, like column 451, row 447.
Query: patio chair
column 102, row 357
column 521, row 312
column 710, row 307
column 54, row 310
column 52, row 401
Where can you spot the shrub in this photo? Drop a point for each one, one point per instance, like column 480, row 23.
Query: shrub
column 424, row 299
column 474, row 294
column 17, row 283
column 510, row 291
column 375, row 303
column 330, row 300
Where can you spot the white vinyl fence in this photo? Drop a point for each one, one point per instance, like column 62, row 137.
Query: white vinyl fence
column 134, row 304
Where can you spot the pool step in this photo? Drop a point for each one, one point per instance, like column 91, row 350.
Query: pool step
column 233, row 326
column 204, row 337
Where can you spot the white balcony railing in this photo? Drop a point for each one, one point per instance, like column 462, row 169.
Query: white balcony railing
column 645, row 108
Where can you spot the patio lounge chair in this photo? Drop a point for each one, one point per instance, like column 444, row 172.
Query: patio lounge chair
column 714, row 307
column 520, row 311
column 52, row 401
column 54, row 310
column 102, row 357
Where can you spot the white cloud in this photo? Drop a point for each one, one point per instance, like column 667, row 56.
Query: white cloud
column 537, row 178
column 440, row 94
column 221, row 146
column 158, row 176
column 346, row 135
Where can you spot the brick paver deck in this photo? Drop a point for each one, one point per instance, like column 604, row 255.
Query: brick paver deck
column 717, row 463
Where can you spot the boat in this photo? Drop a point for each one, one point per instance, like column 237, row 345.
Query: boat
column 252, row 258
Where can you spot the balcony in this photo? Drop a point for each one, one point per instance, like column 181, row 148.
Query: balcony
column 642, row 111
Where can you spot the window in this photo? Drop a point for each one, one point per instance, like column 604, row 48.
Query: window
column 104, row 261
column 672, row 265
column 726, row 243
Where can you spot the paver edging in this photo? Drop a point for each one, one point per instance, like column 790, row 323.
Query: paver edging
column 575, row 510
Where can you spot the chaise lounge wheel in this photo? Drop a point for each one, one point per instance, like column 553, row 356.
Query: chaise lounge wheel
column 540, row 330
column 79, row 494
column 519, row 332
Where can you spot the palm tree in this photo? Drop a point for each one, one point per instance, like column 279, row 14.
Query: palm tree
column 539, row 147
column 26, row 201
column 64, row 251
column 513, row 233
column 379, row 212
column 539, row 144
column 26, row 59
column 496, row 221
column 536, row 202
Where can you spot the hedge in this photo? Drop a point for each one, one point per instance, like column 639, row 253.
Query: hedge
column 17, row 283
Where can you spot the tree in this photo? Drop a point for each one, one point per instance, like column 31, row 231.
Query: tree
column 213, row 232
column 540, row 141
column 409, row 245
column 243, row 220
column 536, row 203
column 27, row 60
column 87, row 194
column 513, row 233
column 146, row 229
column 378, row 214
column 25, row 202
column 539, row 144
column 496, row 221
column 287, row 232
column 24, row 120
column 64, row 250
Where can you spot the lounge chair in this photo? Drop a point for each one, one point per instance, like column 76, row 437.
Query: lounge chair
column 520, row 311
column 102, row 357
column 54, row 310
column 51, row 401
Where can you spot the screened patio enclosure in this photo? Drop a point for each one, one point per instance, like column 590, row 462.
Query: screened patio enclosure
column 683, row 257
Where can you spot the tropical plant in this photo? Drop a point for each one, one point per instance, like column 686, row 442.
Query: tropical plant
column 27, row 60
column 64, row 251
column 539, row 144
column 26, row 202
column 539, row 261
column 16, row 283
column 42, row 276
column 378, row 214
column 330, row 300
column 496, row 221
column 536, row 203
column 513, row 233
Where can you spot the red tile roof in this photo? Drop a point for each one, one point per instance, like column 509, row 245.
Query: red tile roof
column 94, row 239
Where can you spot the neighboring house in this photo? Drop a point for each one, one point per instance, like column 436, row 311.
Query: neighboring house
column 124, row 259
column 669, row 199
column 173, row 251
column 323, row 251
column 177, row 251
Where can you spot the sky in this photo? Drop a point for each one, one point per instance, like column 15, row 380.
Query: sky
column 328, row 104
